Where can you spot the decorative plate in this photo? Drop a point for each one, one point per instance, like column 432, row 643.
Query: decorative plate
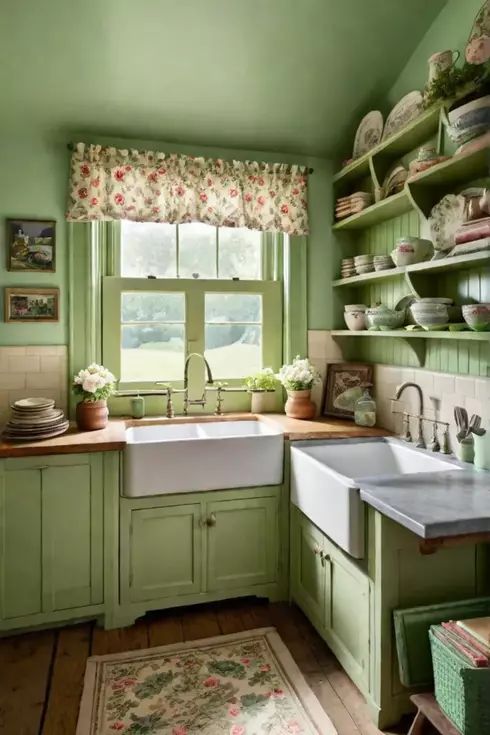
column 478, row 46
column 368, row 133
column 33, row 403
column 406, row 110
column 445, row 219
column 394, row 180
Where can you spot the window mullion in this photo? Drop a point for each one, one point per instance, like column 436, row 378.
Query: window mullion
column 177, row 251
column 217, row 252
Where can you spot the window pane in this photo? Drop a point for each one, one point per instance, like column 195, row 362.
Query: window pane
column 152, row 352
column 152, row 307
column 152, row 336
column 233, row 350
column 240, row 253
column 148, row 249
column 233, row 334
column 233, row 308
column 197, row 251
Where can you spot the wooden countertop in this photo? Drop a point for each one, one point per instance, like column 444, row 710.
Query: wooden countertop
column 113, row 436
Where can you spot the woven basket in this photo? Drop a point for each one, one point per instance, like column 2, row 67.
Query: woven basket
column 462, row 690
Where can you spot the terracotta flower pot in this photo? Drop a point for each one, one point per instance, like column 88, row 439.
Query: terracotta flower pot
column 299, row 405
column 92, row 415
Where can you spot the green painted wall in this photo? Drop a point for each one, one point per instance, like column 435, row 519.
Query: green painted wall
column 33, row 183
column 33, row 175
column 450, row 29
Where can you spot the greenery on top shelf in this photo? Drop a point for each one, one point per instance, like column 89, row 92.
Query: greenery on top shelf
column 462, row 83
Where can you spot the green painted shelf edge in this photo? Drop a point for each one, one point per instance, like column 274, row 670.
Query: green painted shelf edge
column 404, row 334
column 402, row 142
column 459, row 262
column 387, row 208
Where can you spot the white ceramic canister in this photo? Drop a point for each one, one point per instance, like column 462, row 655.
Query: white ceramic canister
column 482, row 451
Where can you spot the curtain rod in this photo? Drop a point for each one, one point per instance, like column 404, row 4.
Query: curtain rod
column 71, row 147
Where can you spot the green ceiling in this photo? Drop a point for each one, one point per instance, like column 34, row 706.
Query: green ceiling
column 277, row 75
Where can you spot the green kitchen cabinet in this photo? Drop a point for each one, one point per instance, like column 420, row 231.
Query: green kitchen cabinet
column 347, row 590
column 193, row 547
column 51, row 556
column 241, row 543
column 308, row 576
column 163, row 553
column 333, row 592
column 351, row 602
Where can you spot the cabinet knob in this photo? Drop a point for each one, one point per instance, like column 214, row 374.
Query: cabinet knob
column 211, row 520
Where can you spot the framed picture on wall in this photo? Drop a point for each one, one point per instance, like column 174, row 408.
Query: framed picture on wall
column 32, row 304
column 343, row 387
column 31, row 245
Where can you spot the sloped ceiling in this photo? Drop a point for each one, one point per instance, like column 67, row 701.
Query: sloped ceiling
column 277, row 75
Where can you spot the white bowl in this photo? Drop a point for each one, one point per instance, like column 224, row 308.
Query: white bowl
column 355, row 320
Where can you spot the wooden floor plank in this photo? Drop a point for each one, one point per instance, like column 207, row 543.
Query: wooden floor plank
column 200, row 622
column 25, row 662
column 33, row 659
column 121, row 639
column 165, row 629
column 72, row 650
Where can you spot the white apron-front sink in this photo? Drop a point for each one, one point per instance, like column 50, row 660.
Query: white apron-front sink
column 326, row 476
column 215, row 455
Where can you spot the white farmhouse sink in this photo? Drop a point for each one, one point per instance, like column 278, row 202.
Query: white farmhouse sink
column 326, row 476
column 174, row 458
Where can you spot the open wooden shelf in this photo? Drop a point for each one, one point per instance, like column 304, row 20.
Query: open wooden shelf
column 417, row 132
column 387, row 208
column 404, row 334
column 459, row 262
column 428, row 187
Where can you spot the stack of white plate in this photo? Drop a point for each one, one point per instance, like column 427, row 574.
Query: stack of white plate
column 364, row 263
column 33, row 419
column 347, row 268
column 383, row 262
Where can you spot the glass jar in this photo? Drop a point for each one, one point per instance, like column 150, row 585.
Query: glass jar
column 365, row 408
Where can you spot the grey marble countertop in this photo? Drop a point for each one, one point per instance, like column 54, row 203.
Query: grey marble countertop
column 435, row 504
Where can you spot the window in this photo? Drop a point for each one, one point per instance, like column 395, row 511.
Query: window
column 193, row 250
column 189, row 288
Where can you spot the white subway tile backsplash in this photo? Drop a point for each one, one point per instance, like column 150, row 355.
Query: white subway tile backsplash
column 443, row 391
column 37, row 370
column 10, row 381
column 24, row 363
column 464, row 386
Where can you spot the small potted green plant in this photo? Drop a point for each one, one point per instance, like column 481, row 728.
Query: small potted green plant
column 262, row 387
column 94, row 384
column 298, row 379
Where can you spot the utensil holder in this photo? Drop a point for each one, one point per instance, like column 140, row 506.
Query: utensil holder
column 482, row 451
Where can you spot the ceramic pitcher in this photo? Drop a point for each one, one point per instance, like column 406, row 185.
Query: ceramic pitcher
column 441, row 61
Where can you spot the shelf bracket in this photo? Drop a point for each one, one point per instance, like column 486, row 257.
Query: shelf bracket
column 418, row 348
column 410, row 285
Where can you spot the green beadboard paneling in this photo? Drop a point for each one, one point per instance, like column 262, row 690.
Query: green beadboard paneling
column 463, row 286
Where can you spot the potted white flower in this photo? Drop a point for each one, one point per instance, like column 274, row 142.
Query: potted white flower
column 95, row 384
column 298, row 379
column 262, row 387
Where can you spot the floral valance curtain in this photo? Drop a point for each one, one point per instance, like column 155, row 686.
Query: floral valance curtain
column 144, row 186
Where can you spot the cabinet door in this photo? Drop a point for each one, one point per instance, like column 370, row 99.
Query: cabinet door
column 241, row 543
column 307, row 567
column 164, row 553
column 347, row 612
column 20, row 546
column 72, row 513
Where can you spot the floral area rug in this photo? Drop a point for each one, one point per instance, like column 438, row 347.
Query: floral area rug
column 243, row 684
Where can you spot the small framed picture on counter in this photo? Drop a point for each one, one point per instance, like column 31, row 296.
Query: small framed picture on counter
column 32, row 304
column 31, row 245
column 343, row 387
